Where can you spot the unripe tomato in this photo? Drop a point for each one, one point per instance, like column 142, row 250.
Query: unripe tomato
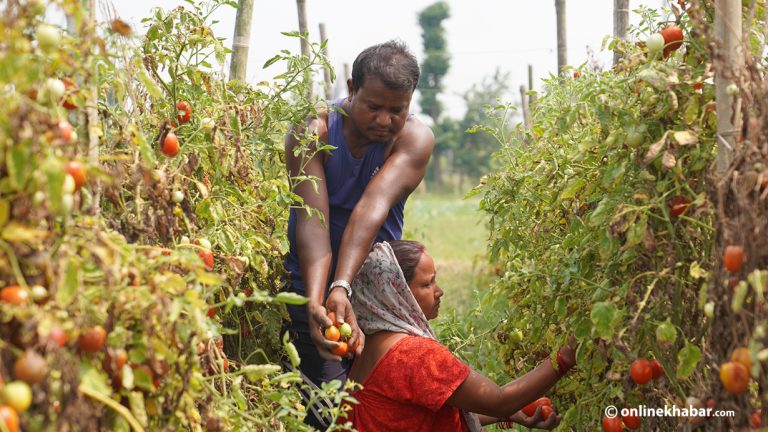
column 207, row 123
column 205, row 243
column 76, row 170
column 641, row 371
column 612, row 424
column 673, row 37
column 184, row 111
column 345, row 330
column 656, row 369
column 38, row 293
column 55, row 88
column 66, row 131
column 67, row 203
column 734, row 377
column 741, row 355
column 631, row 422
column 18, row 395
column 678, row 205
column 756, row 419
column 177, row 196
column 341, row 350
column 655, row 42
column 9, row 416
column 48, row 37
column 732, row 89
column 93, row 339
column 332, row 333
column 733, row 258
column 69, row 185
column 14, row 295
column 170, row 146
column 30, row 367
column 709, row 309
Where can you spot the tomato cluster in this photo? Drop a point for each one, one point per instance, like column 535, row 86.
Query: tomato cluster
column 546, row 408
column 617, row 424
column 643, row 371
column 340, row 333
column 734, row 374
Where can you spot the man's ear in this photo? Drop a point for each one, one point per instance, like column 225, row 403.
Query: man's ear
column 350, row 88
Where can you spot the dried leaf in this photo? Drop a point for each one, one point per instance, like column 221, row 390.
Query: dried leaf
column 668, row 160
column 655, row 148
column 121, row 27
column 685, row 138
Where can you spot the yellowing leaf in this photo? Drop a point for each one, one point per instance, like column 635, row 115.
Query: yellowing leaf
column 15, row 232
column 685, row 138
column 655, row 149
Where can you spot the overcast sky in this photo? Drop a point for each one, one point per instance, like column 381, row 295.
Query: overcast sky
column 482, row 34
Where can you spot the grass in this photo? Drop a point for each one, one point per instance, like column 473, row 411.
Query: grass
column 454, row 231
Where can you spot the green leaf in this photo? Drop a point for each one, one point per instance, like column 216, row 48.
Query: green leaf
column 256, row 372
column 291, row 298
column 94, row 379
column 572, row 188
column 153, row 89
column 65, row 294
column 687, row 359
column 605, row 318
column 636, row 231
column 136, row 402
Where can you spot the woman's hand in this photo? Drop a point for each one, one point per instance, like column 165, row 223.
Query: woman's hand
column 535, row 421
column 338, row 302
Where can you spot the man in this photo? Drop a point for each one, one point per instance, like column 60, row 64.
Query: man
column 381, row 154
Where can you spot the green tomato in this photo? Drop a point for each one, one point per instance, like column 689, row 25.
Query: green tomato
column 177, row 196
column 709, row 309
column 516, row 336
column 18, row 395
column 345, row 330
column 48, row 37
column 655, row 42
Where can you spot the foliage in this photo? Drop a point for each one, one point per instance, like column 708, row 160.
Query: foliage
column 124, row 250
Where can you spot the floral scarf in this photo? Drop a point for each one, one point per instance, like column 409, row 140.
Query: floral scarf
column 383, row 301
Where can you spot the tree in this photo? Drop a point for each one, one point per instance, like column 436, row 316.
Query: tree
column 433, row 69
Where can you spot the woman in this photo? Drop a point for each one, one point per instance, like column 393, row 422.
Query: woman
column 410, row 381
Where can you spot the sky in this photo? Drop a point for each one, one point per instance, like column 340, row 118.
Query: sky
column 482, row 35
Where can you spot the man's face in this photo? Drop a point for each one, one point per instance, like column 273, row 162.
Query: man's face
column 378, row 111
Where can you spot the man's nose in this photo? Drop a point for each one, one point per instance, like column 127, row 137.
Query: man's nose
column 383, row 120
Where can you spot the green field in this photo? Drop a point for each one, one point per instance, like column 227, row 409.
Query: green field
column 455, row 233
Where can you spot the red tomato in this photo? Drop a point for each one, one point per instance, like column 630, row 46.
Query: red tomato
column 734, row 377
column 76, row 170
column 678, row 205
column 211, row 312
column 14, row 295
column 207, row 257
column 641, row 371
column 656, row 368
column 71, row 89
column 741, row 355
column 93, row 339
column 576, row 74
column 673, row 37
column 341, row 350
column 115, row 360
column 612, row 424
column 332, row 333
column 733, row 258
column 631, row 422
column 170, row 146
column 58, row 337
column 756, row 419
column 30, row 367
column 10, row 418
column 546, row 411
column 184, row 111
column 530, row 409
column 66, row 131
column 698, row 85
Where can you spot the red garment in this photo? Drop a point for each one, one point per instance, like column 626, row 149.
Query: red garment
column 407, row 390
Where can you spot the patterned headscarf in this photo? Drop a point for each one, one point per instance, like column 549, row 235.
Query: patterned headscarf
column 383, row 301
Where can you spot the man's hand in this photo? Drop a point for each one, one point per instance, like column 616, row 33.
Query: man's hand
column 536, row 420
column 338, row 302
column 318, row 320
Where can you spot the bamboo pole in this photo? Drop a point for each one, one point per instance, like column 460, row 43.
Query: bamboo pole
column 562, row 46
column 326, row 70
column 240, row 41
column 532, row 97
column 301, row 6
column 526, row 109
column 728, row 37
column 620, row 24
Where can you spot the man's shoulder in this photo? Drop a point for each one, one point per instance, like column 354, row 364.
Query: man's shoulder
column 416, row 134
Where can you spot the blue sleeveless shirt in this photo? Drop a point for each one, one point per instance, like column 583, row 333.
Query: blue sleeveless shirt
column 346, row 178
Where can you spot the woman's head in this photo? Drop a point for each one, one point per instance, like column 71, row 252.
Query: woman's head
column 420, row 274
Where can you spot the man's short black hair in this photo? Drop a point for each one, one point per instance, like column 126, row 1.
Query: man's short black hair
column 391, row 62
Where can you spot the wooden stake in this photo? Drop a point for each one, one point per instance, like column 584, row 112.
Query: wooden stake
column 562, row 47
column 326, row 71
column 302, row 10
column 728, row 36
column 620, row 24
column 239, row 64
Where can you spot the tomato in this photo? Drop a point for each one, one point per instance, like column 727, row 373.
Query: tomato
column 71, row 89
column 678, row 205
column 655, row 42
column 48, row 37
column 734, row 377
column 177, row 196
column 14, row 295
column 18, row 395
column 612, row 424
column 656, row 368
column 756, row 419
column 733, row 258
column 58, row 337
column 332, row 333
column 631, row 422
column 345, row 330
column 673, row 37
column 641, row 371
column 576, row 74
column 10, row 418
column 76, row 170
column 698, row 85
column 530, row 409
column 211, row 312
column 184, row 111
column 115, row 360
column 93, row 339
column 546, row 411
column 341, row 350
column 207, row 257
column 741, row 355
column 170, row 146
column 30, row 367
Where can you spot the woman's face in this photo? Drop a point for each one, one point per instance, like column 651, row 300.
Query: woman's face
column 425, row 288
